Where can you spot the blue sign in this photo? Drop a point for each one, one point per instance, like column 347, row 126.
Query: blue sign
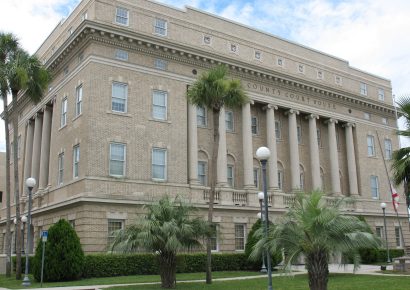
column 44, row 236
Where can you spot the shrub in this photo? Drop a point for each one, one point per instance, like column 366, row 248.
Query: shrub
column 23, row 263
column 252, row 239
column 64, row 258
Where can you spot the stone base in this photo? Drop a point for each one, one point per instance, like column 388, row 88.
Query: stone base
column 402, row 264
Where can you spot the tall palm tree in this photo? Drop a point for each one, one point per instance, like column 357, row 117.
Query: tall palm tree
column 166, row 230
column 8, row 45
column 316, row 229
column 401, row 157
column 24, row 73
column 213, row 90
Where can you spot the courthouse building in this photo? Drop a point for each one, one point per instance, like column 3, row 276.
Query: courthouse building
column 115, row 130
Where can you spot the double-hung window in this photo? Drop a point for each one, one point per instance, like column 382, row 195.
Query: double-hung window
column 254, row 125
column 63, row 120
column 78, row 100
column 76, row 160
column 117, row 159
column 214, row 238
column 381, row 94
column 121, row 54
column 240, row 237
column 114, row 225
column 370, row 146
column 159, row 105
column 60, row 168
column 374, row 186
column 229, row 121
column 278, row 133
column 230, row 175
column 201, row 116
column 256, row 177
column 159, row 163
column 121, row 16
column 397, row 235
column 363, row 89
column 202, row 176
column 160, row 64
column 387, row 149
column 161, row 27
column 119, row 97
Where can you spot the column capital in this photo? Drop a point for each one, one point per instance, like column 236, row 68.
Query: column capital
column 349, row 124
column 270, row 106
column 312, row 116
column 331, row 120
column 292, row 111
column 53, row 100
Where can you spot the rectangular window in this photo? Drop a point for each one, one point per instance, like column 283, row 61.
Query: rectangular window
column 381, row 94
column 278, row 133
column 78, row 100
column 159, row 163
column 113, row 225
column 374, row 186
column 161, row 27
column 76, row 160
column 214, row 238
column 384, row 121
column 72, row 223
column 160, row 64
column 159, row 105
column 201, row 117
column 1, row 196
column 230, row 175
column 387, row 149
column 366, row 116
column 363, row 89
column 379, row 232
column 117, row 159
column 60, row 168
column 239, row 237
column 397, row 235
column 202, row 168
column 254, row 125
column 256, row 177
column 63, row 120
column 370, row 146
column 299, row 128
column 121, row 54
column 319, row 142
column 121, row 16
column 229, row 121
column 119, row 97
column 18, row 146
column 280, row 179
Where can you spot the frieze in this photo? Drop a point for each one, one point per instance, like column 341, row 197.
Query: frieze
column 280, row 93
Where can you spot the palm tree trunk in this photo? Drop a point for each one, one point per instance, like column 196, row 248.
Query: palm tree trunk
column 318, row 270
column 8, row 208
column 168, row 269
column 16, row 184
column 212, row 173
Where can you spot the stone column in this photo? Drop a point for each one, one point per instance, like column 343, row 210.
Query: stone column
column 294, row 149
column 35, row 165
column 221, row 174
column 271, row 137
column 333, row 157
column 314, row 152
column 28, row 153
column 351, row 160
column 192, row 144
column 45, row 148
column 247, row 147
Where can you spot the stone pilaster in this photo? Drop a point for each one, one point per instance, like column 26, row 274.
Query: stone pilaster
column 192, row 144
column 294, row 149
column 221, row 174
column 45, row 148
column 28, row 154
column 247, row 147
column 271, row 138
column 35, row 165
column 351, row 160
column 333, row 156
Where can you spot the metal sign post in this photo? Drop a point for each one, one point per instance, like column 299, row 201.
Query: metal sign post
column 44, row 236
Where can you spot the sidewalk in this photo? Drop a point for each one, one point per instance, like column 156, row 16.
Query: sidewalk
column 333, row 268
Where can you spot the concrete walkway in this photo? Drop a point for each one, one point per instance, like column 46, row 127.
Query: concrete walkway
column 300, row 269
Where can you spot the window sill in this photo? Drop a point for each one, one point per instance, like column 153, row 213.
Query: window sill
column 160, row 121
column 119, row 114
column 159, row 180
column 76, row 117
column 160, row 35
column 62, row 127
column 117, row 176
column 121, row 24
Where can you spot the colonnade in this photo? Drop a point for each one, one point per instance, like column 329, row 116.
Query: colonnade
column 248, row 151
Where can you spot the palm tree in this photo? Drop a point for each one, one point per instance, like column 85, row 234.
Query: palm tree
column 401, row 157
column 8, row 45
column 213, row 91
column 316, row 229
column 23, row 73
column 166, row 230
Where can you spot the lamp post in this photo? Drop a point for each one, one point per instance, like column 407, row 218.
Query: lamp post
column 30, row 183
column 23, row 220
column 260, row 216
column 383, row 206
column 263, row 154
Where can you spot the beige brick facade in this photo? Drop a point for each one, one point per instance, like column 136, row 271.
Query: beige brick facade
column 81, row 53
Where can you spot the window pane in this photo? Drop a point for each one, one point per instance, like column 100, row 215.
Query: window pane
column 201, row 116
column 159, row 163
column 239, row 237
column 119, row 97
column 117, row 159
column 202, row 173
column 122, row 16
column 160, row 64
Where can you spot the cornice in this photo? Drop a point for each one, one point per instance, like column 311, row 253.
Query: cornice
column 167, row 49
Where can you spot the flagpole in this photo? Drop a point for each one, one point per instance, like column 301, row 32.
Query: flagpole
column 391, row 190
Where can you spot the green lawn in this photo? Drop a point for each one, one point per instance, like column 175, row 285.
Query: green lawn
column 12, row 283
column 298, row 282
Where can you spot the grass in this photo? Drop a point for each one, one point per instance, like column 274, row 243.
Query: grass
column 298, row 282
column 12, row 283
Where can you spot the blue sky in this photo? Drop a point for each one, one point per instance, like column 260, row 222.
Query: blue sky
column 373, row 35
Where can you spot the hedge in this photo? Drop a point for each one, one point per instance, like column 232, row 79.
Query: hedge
column 370, row 256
